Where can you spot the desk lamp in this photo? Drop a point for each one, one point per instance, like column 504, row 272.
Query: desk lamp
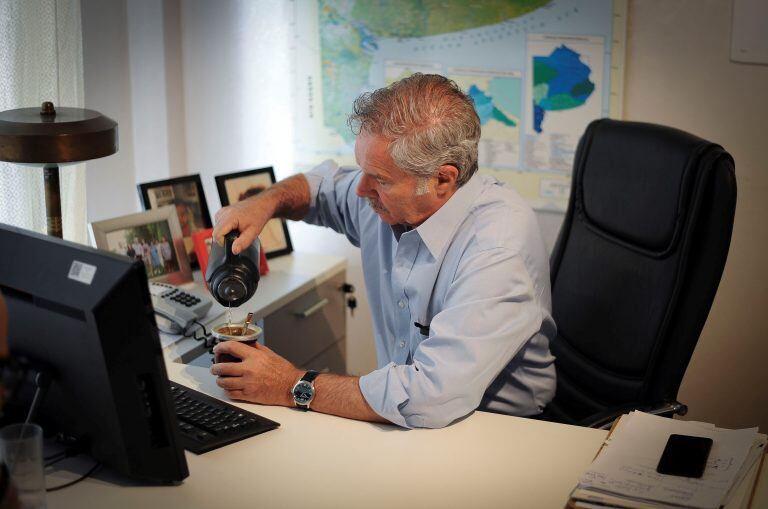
column 48, row 137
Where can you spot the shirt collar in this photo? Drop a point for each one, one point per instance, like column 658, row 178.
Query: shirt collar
column 437, row 231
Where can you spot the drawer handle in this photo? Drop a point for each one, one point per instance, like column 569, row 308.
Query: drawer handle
column 311, row 310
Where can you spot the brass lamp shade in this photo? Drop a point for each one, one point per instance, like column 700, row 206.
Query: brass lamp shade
column 47, row 137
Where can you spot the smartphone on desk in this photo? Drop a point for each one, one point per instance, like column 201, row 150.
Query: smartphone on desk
column 685, row 456
column 177, row 309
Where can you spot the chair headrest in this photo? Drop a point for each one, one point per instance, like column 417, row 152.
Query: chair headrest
column 636, row 180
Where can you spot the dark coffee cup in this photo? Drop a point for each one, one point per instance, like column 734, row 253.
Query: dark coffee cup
column 226, row 332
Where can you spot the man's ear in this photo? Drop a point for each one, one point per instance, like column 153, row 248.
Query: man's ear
column 447, row 175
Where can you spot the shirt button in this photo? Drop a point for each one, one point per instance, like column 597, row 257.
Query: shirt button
column 401, row 304
column 402, row 344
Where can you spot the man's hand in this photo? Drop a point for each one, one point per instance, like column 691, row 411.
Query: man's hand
column 288, row 198
column 262, row 376
column 249, row 216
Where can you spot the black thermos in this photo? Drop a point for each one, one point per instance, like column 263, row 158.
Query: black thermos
column 233, row 279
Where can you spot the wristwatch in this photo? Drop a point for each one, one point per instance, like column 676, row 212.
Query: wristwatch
column 304, row 390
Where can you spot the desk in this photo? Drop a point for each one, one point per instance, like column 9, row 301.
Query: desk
column 319, row 461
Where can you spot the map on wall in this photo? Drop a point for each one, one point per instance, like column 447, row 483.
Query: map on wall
column 538, row 72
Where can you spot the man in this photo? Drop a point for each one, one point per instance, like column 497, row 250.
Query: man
column 455, row 269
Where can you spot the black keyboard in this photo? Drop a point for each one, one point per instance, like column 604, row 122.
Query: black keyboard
column 207, row 423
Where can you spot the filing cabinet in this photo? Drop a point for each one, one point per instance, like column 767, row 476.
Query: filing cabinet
column 310, row 330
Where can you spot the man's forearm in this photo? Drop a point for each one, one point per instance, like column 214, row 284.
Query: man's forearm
column 290, row 197
column 341, row 395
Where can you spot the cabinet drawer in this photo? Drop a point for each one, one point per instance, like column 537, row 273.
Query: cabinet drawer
column 308, row 325
column 331, row 360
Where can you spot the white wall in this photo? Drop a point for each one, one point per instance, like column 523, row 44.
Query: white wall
column 223, row 100
column 237, row 91
column 110, row 181
column 149, row 94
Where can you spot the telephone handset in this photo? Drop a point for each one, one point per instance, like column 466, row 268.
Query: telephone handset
column 177, row 308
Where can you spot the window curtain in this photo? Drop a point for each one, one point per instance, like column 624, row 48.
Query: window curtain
column 41, row 59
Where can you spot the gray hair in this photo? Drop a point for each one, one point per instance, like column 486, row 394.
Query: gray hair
column 428, row 120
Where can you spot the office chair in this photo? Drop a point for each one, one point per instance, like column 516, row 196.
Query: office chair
column 636, row 267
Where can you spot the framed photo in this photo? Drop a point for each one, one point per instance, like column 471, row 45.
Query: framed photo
column 235, row 187
column 186, row 194
column 153, row 237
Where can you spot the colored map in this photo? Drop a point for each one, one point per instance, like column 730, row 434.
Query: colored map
column 486, row 107
column 560, row 82
column 537, row 70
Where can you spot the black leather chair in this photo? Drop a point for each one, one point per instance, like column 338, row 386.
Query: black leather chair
column 636, row 267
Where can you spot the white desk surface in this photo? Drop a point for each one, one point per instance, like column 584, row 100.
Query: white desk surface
column 320, row 461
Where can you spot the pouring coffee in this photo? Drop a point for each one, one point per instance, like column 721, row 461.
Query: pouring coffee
column 232, row 280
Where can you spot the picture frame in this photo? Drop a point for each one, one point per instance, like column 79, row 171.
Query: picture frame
column 187, row 195
column 237, row 186
column 156, row 234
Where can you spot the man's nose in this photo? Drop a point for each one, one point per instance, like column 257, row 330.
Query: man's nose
column 363, row 187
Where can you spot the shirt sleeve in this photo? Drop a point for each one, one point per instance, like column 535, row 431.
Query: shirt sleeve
column 333, row 202
column 490, row 313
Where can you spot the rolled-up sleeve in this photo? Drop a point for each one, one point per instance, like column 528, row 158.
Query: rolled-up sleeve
column 489, row 315
column 333, row 202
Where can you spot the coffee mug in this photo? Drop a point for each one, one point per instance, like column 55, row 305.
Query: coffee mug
column 235, row 332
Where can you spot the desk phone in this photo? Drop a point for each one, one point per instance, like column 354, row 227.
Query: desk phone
column 179, row 307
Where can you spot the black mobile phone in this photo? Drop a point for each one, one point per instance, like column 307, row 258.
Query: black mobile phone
column 685, row 455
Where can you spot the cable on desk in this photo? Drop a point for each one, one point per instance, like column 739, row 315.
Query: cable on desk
column 81, row 478
column 205, row 331
column 193, row 334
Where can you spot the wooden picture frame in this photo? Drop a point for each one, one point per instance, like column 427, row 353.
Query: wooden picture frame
column 187, row 195
column 235, row 187
column 153, row 237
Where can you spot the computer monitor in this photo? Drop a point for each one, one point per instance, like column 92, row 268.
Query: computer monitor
column 86, row 316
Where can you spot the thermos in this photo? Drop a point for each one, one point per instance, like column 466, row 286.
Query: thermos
column 233, row 279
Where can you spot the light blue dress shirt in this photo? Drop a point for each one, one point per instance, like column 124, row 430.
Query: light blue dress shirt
column 476, row 275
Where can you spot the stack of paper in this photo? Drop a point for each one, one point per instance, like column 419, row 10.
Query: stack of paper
column 624, row 472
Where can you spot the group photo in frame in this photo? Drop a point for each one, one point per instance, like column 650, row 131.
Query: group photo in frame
column 238, row 186
column 152, row 237
column 188, row 198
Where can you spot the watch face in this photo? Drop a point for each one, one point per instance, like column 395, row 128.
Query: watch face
column 303, row 393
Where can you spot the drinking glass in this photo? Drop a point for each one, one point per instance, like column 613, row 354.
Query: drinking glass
column 21, row 449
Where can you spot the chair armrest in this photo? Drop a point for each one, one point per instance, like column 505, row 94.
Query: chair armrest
column 604, row 420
